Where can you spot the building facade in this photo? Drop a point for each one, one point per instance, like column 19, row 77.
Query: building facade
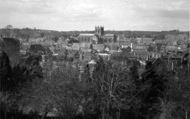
column 99, row 37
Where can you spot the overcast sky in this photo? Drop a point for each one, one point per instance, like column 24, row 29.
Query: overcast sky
column 85, row 14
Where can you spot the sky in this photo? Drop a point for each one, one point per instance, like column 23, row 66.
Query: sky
column 67, row 15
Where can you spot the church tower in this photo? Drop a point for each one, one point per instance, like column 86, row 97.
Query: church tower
column 99, row 30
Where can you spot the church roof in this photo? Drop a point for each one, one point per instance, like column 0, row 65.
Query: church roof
column 86, row 34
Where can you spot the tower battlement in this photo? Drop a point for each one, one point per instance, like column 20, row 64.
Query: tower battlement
column 99, row 30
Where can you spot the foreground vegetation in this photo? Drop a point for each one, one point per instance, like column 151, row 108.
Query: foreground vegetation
column 111, row 91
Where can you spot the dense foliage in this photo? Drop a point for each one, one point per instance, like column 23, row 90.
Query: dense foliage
column 111, row 91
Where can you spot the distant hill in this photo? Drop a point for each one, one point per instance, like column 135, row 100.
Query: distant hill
column 27, row 33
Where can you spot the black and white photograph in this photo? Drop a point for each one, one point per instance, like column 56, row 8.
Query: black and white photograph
column 94, row 59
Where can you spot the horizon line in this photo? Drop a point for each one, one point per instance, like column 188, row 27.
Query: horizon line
column 34, row 28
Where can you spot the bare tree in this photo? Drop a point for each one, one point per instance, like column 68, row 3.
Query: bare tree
column 114, row 89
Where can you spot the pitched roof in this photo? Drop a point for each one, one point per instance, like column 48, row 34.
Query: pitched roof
column 109, row 35
column 75, row 46
column 171, row 47
column 113, row 46
column 99, row 47
column 85, row 45
column 140, row 47
column 159, row 41
column 86, row 34
column 147, row 40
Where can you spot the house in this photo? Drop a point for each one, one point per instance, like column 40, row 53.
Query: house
column 61, row 40
column 99, row 47
column 75, row 46
column 105, row 56
column 85, row 46
column 138, row 40
column 79, row 46
column 126, row 44
column 171, row 48
column 144, row 41
column 182, row 47
column 174, row 39
column 109, row 38
column 36, row 40
column 113, row 47
column 50, row 42
column 160, row 41
column 140, row 48
column 85, row 55
column 142, row 54
column 155, row 55
column 147, row 41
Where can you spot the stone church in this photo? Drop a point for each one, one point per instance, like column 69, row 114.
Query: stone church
column 99, row 37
